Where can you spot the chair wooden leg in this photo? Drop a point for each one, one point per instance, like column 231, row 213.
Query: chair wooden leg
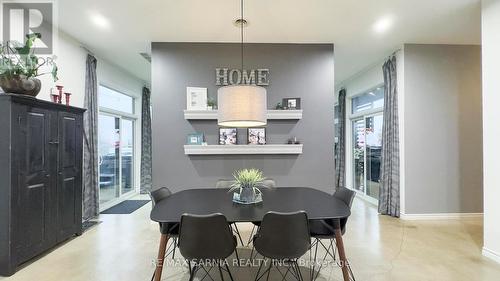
column 161, row 257
column 343, row 258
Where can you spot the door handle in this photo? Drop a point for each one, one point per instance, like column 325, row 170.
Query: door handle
column 54, row 142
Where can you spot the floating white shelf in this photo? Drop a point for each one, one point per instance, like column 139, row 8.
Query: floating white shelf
column 271, row 114
column 242, row 149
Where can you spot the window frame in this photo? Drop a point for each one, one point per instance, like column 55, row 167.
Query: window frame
column 132, row 115
column 365, row 112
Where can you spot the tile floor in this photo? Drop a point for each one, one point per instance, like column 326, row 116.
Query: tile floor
column 123, row 247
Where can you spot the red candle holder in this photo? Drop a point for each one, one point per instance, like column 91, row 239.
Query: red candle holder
column 54, row 97
column 67, row 96
column 60, row 89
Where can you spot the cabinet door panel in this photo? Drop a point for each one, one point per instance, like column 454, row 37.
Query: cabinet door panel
column 70, row 178
column 33, row 227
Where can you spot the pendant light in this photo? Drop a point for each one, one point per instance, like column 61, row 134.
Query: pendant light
column 242, row 105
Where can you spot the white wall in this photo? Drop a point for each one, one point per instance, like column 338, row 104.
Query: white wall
column 491, row 130
column 71, row 63
column 443, row 136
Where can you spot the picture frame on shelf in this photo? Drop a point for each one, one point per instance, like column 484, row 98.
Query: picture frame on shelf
column 256, row 136
column 194, row 139
column 291, row 103
column 196, row 98
column 228, row 136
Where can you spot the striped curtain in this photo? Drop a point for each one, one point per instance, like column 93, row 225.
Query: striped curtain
column 90, row 150
column 340, row 149
column 146, row 149
column 389, row 181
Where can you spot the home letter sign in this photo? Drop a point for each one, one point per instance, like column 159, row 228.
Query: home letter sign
column 225, row 76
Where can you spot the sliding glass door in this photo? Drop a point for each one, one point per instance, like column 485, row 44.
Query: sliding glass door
column 127, row 155
column 366, row 122
column 109, row 157
column 373, row 151
column 358, row 131
column 116, row 145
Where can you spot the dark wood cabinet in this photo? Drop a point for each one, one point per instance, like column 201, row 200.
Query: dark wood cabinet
column 40, row 177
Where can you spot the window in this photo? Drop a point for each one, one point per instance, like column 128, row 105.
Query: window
column 115, row 101
column 373, row 99
column 116, row 144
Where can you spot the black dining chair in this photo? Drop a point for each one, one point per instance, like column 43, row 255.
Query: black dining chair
column 325, row 230
column 267, row 183
column 170, row 229
column 282, row 238
column 234, row 227
column 206, row 239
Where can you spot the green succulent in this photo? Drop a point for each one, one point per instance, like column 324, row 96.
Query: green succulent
column 247, row 178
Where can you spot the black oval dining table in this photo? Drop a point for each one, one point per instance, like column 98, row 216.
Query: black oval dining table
column 317, row 204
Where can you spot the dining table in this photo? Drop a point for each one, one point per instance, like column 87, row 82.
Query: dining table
column 318, row 205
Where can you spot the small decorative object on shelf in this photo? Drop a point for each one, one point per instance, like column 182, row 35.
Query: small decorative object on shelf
column 228, row 136
column 293, row 140
column 279, row 106
column 291, row 103
column 60, row 89
column 195, row 139
column 67, row 97
column 211, row 104
column 18, row 73
column 246, row 186
column 256, row 135
column 53, row 95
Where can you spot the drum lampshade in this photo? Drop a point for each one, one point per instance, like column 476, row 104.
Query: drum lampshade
column 242, row 106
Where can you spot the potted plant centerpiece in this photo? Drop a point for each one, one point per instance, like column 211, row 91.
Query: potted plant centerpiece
column 247, row 184
column 19, row 67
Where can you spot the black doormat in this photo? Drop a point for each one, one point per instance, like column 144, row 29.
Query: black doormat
column 125, row 207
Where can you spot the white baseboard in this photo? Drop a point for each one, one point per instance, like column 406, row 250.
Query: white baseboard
column 441, row 216
column 491, row 254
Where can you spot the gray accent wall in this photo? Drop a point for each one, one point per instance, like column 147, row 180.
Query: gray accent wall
column 442, row 125
column 296, row 70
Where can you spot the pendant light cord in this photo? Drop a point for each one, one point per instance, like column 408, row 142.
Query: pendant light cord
column 242, row 22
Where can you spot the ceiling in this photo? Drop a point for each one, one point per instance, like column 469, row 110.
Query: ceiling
column 119, row 30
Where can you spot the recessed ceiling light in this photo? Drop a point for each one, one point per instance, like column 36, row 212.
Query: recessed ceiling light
column 100, row 20
column 383, row 24
column 371, row 93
